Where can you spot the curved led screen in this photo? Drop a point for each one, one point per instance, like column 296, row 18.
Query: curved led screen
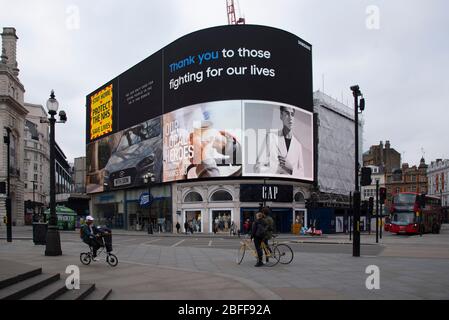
column 231, row 101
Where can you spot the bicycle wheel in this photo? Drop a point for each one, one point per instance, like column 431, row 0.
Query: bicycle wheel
column 241, row 254
column 112, row 259
column 273, row 257
column 285, row 253
column 85, row 258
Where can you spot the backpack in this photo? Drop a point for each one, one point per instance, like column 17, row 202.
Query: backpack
column 260, row 231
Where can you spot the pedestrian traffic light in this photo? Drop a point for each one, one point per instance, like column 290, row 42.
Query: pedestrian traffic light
column 366, row 177
column 371, row 205
column 382, row 195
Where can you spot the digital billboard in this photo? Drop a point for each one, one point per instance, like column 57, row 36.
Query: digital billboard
column 231, row 101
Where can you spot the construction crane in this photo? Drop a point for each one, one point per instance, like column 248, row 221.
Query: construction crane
column 232, row 18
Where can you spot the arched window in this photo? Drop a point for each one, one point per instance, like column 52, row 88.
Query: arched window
column 299, row 197
column 193, row 197
column 221, row 196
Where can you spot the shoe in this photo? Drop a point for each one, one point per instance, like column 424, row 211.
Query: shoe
column 267, row 260
column 95, row 259
column 259, row 264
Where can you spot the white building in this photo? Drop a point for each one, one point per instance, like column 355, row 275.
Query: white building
column 12, row 115
column 438, row 179
column 370, row 191
column 36, row 160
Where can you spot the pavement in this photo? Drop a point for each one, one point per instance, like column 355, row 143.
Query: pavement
column 179, row 267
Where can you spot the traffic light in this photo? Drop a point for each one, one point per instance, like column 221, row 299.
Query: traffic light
column 366, row 177
column 371, row 205
column 382, row 195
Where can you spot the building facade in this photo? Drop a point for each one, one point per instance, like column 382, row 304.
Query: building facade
column 407, row 179
column 12, row 116
column 64, row 183
column 36, row 161
column 329, row 204
column 438, row 177
column 385, row 157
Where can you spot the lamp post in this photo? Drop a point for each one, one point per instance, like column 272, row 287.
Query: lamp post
column 356, row 242
column 149, row 179
column 7, row 140
column 53, row 246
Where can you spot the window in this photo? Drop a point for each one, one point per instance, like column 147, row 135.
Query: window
column 35, row 145
column 35, row 156
column 35, row 168
column 35, row 177
column 413, row 178
column 26, row 186
column 299, row 197
column 221, row 196
column 193, row 197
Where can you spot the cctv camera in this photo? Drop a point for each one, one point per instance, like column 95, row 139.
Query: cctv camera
column 355, row 88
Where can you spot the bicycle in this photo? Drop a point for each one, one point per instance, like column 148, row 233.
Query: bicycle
column 272, row 254
column 104, row 252
column 276, row 253
column 285, row 252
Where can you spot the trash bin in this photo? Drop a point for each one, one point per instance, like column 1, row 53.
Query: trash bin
column 40, row 233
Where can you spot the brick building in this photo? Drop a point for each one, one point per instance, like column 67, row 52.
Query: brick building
column 406, row 179
column 384, row 157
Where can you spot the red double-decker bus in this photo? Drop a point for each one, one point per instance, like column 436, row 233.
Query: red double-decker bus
column 412, row 213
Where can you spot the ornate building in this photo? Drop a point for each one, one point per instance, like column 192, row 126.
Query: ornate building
column 12, row 116
column 438, row 174
column 407, row 179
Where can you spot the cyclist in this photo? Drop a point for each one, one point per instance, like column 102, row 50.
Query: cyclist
column 258, row 234
column 89, row 235
column 269, row 224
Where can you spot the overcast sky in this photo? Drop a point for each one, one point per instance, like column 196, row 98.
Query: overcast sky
column 400, row 57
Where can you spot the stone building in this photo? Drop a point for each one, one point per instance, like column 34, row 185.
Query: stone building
column 36, row 161
column 12, row 116
column 438, row 175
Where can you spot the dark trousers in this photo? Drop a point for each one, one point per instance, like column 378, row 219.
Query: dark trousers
column 94, row 244
column 258, row 245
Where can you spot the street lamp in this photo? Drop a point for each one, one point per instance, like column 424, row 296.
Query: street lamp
column 356, row 242
column 53, row 247
column 149, row 179
column 7, row 141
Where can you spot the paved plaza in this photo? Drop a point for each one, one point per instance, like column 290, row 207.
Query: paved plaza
column 201, row 267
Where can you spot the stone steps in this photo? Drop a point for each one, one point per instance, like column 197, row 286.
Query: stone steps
column 19, row 281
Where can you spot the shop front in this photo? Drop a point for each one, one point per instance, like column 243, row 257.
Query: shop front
column 108, row 209
column 149, row 211
column 212, row 207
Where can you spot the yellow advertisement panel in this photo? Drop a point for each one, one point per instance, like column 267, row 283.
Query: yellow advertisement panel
column 101, row 113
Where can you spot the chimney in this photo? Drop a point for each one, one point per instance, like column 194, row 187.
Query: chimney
column 9, row 49
column 387, row 145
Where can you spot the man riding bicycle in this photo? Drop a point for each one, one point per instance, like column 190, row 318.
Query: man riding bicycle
column 89, row 235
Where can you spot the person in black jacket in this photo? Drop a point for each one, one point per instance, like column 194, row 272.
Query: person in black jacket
column 258, row 234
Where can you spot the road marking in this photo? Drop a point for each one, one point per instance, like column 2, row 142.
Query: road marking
column 152, row 241
column 129, row 240
column 178, row 243
column 210, row 243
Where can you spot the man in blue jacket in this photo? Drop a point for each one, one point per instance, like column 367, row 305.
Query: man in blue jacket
column 89, row 234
